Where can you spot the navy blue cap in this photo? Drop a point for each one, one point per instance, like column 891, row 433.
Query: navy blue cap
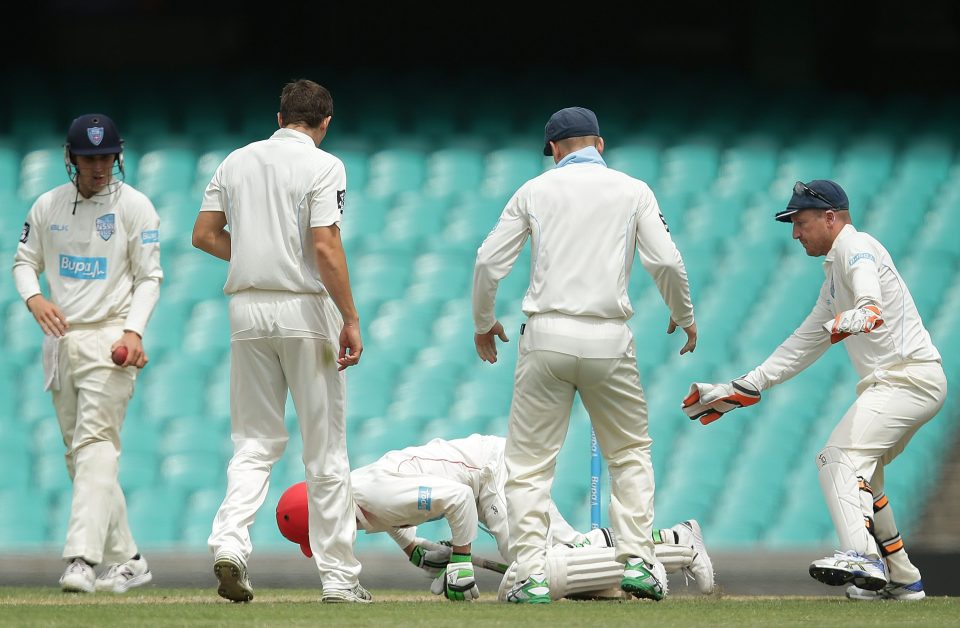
column 818, row 194
column 569, row 122
column 93, row 134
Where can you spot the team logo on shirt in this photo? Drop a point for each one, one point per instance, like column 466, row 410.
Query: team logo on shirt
column 664, row 221
column 25, row 233
column 341, row 194
column 424, row 497
column 107, row 226
column 95, row 135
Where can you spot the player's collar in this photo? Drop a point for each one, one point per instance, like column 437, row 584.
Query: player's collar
column 291, row 134
column 588, row 155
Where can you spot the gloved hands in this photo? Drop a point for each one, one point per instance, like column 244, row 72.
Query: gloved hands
column 709, row 402
column 861, row 320
column 458, row 583
column 431, row 557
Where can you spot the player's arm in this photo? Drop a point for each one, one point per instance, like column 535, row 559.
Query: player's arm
column 210, row 234
column 27, row 265
column 209, row 230
column 495, row 258
column 662, row 260
column 859, row 269
column 143, row 250
column 332, row 266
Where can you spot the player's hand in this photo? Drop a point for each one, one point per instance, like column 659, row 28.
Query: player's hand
column 861, row 320
column 432, row 558
column 351, row 345
column 691, row 332
column 709, row 402
column 136, row 356
column 487, row 343
column 48, row 316
column 459, row 581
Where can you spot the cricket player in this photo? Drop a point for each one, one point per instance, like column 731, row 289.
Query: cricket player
column 865, row 304
column 98, row 241
column 293, row 326
column 585, row 221
column 462, row 481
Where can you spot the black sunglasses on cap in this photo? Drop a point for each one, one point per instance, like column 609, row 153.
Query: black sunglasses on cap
column 801, row 188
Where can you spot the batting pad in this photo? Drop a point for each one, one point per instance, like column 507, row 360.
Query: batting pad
column 592, row 571
column 841, row 490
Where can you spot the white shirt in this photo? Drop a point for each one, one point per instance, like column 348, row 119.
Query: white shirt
column 101, row 254
column 452, row 479
column 584, row 221
column 858, row 271
column 273, row 192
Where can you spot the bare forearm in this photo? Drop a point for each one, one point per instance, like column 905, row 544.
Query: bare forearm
column 214, row 243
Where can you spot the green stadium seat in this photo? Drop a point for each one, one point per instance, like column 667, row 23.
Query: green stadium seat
column 509, row 168
column 23, row 519
column 453, row 170
column 41, row 170
column 394, row 170
column 9, row 170
column 637, row 160
column 153, row 526
column 173, row 388
column 748, row 166
column 167, row 169
column 691, row 165
column 202, row 506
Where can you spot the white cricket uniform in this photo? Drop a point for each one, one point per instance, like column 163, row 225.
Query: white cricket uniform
column 285, row 333
column 102, row 261
column 462, row 481
column 585, row 221
column 902, row 384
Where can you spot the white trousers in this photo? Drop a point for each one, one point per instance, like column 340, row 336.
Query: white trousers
column 90, row 396
column 891, row 406
column 544, row 386
column 281, row 341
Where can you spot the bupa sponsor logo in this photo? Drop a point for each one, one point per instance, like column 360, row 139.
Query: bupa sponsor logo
column 424, row 498
column 59, row 227
column 859, row 257
column 95, row 135
column 107, row 226
column 150, row 236
column 83, row 267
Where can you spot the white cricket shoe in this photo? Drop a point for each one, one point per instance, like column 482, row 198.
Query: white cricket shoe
column 701, row 568
column 79, row 577
column 643, row 580
column 535, row 589
column 356, row 595
column 121, row 577
column 850, row 568
column 231, row 573
column 893, row 591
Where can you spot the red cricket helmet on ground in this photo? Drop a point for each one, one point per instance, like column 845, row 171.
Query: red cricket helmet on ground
column 292, row 517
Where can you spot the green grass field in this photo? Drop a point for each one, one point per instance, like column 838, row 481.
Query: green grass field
column 22, row 606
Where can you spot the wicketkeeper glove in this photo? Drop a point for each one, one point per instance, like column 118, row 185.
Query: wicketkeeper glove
column 861, row 320
column 431, row 557
column 458, row 583
column 709, row 402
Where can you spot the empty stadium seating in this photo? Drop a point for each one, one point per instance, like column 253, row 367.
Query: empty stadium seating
column 423, row 192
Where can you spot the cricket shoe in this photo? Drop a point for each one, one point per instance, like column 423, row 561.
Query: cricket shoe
column 701, row 568
column 356, row 595
column 643, row 580
column 78, row 577
column 850, row 568
column 534, row 590
column 893, row 591
column 121, row 577
column 232, row 576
